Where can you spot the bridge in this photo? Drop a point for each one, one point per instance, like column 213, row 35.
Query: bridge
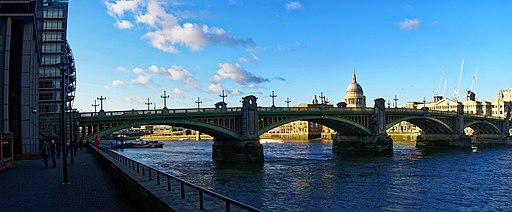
column 236, row 130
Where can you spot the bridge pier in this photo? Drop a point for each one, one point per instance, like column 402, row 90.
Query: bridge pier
column 444, row 140
column 376, row 142
column 247, row 151
column 485, row 139
column 362, row 144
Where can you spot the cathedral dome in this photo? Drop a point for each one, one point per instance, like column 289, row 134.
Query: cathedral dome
column 354, row 87
column 354, row 97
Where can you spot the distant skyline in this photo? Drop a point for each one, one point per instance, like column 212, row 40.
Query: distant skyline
column 132, row 50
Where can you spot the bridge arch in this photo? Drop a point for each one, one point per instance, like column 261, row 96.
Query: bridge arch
column 428, row 125
column 210, row 129
column 340, row 125
column 482, row 127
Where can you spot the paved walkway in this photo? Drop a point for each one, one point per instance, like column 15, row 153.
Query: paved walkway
column 29, row 187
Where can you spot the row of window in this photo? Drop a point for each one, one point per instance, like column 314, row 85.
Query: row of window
column 53, row 13
column 53, row 36
column 49, row 96
column 53, row 24
column 53, row 48
column 54, row 108
column 51, row 59
column 49, row 83
column 49, row 71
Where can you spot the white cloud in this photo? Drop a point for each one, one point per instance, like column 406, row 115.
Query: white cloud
column 137, row 100
column 117, row 83
column 237, row 92
column 178, row 93
column 122, row 69
column 235, row 73
column 138, row 70
column 123, row 24
column 119, row 7
column 410, row 24
column 293, row 5
column 253, row 58
column 164, row 30
column 142, row 80
column 216, row 88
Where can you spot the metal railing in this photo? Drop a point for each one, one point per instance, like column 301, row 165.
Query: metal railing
column 153, row 174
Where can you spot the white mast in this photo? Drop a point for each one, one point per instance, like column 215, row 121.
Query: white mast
column 460, row 78
column 439, row 85
column 444, row 90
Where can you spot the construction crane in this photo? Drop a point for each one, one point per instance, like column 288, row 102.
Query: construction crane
column 475, row 82
column 456, row 93
column 439, row 85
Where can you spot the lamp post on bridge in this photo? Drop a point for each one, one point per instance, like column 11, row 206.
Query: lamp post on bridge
column 223, row 96
column 148, row 103
column 165, row 97
column 424, row 102
column 95, row 105
column 396, row 101
column 63, row 67
column 198, row 104
column 287, row 102
column 273, row 96
column 101, row 101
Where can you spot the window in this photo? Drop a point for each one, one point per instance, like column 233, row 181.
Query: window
column 53, row 13
column 49, row 71
column 53, row 36
column 53, row 24
column 49, row 83
column 51, row 59
column 49, row 96
column 53, row 48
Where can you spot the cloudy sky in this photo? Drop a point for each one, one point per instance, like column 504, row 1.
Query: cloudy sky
column 132, row 50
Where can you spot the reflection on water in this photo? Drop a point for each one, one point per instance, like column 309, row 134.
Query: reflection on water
column 310, row 177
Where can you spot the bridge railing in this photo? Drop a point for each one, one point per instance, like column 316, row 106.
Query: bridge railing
column 159, row 177
column 160, row 111
column 280, row 109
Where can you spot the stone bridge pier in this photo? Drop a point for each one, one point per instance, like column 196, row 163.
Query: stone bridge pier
column 457, row 139
column 378, row 142
column 246, row 149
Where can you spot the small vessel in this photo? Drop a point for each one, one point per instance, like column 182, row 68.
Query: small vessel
column 144, row 144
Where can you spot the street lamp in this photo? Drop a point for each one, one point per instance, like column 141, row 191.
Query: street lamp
column 63, row 67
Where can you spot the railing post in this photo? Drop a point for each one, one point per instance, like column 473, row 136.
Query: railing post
column 137, row 167
column 149, row 170
column 168, row 183
column 157, row 177
column 228, row 209
column 143, row 172
column 182, row 187
column 201, row 205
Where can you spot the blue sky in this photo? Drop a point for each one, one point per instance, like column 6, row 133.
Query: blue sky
column 132, row 50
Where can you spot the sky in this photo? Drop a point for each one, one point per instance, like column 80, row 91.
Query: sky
column 132, row 50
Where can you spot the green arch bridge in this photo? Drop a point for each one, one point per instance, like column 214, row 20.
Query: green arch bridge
column 236, row 130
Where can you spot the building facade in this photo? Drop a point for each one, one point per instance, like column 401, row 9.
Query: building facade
column 55, row 49
column 20, row 25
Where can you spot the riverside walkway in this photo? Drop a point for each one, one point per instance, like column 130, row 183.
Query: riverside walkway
column 27, row 186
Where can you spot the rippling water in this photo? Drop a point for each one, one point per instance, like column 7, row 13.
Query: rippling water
column 309, row 177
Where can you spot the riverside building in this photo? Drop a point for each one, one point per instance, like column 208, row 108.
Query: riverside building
column 55, row 49
column 20, row 47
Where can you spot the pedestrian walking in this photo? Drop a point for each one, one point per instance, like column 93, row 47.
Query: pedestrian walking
column 45, row 152
column 53, row 148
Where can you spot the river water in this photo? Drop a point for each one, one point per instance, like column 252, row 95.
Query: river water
column 308, row 176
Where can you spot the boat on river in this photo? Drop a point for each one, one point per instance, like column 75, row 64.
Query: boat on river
column 144, row 144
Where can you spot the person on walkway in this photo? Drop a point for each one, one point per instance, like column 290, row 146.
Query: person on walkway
column 45, row 151
column 53, row 148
